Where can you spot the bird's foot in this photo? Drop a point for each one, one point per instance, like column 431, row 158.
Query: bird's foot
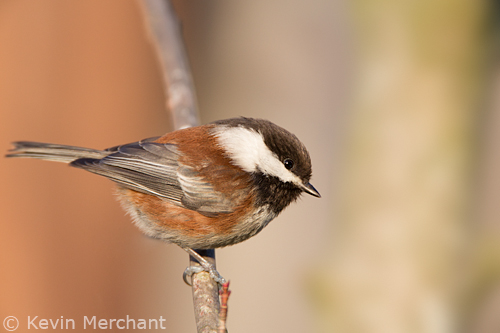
column 204, row 266
column 198, row 269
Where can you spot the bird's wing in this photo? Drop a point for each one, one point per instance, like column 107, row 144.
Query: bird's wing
column 200, row 195
column 154, row 168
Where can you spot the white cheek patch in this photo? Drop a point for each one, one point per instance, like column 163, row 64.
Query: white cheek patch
column 248, row 151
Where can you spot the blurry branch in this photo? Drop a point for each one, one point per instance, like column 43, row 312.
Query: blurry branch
column 398, row 262
column 164, row 34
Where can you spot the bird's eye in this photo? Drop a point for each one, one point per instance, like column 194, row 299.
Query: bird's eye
column 288, row 163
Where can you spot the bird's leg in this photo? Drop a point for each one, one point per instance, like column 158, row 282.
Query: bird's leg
column 204, row 266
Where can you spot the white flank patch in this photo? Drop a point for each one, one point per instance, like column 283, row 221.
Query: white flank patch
column 247, row 149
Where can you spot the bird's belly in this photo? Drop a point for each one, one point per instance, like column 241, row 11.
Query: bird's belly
column 165, row 220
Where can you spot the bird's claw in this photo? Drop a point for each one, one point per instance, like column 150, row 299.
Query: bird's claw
column 189, row 271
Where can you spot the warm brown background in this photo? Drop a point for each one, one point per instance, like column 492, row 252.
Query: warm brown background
column 83, row 73
column 385, row 95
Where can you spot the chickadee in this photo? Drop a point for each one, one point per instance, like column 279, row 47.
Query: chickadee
column 201, row 187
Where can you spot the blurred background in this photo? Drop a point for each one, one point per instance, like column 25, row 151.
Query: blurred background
column 397, row 101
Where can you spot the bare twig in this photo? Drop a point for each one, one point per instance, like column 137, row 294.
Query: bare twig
column 205, row 296
column 164, row 34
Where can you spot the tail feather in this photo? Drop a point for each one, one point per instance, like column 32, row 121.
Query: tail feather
column 53, row 152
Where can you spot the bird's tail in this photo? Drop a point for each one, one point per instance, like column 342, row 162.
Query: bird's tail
column 53, row 152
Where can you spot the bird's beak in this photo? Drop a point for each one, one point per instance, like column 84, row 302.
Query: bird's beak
column 308, row 188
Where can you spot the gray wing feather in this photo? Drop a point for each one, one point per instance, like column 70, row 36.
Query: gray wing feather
column 143, row 166
column 200, row 195
column 131, row 179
